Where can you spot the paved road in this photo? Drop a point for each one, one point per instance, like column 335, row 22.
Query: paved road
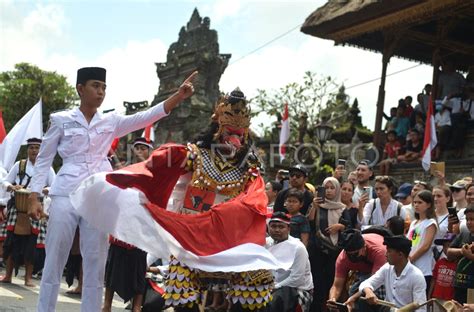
column 16, row 297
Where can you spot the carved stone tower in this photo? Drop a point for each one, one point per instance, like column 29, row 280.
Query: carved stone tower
column 196, row 49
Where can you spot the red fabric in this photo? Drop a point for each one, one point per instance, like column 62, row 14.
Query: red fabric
column 444, row 273
column 3, row 133
column 156, row 288
column 238, row 221
column 157, row 176
column 376, row 251
column 392, row 148
column 148, row 132
column 114, row 145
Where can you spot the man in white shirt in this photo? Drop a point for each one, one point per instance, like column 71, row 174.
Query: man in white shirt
column 404, row 283
column 19, row 231
column 293, row 287
column 82, row 136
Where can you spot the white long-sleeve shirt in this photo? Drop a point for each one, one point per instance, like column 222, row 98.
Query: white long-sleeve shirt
column 401, row 290
column 14, row 178
column 299, row 275
column 84, row 146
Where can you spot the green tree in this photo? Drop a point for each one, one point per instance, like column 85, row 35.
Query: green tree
column 21, row 89
column 305, row 103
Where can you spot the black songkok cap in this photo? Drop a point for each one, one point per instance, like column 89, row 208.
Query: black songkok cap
column 33, row 141
column 90, row 73
column 352, row 240
column 398, row 242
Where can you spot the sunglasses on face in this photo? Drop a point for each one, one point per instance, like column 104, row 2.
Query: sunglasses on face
column 383, row 179
column 296, row 174
column 421, row 182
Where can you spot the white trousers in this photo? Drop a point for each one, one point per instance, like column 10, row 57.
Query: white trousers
column 62, row 224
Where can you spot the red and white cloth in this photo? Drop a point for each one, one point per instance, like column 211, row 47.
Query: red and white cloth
column 130, row 205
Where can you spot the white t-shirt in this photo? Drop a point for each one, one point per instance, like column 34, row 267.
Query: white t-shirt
column 417, row 235
column 442, row 228
column 462, row 220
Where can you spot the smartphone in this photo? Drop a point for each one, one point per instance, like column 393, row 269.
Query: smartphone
column 321, row 192
column 367, row 191
column 341, row 162
column 452, row 211
column 337, row 306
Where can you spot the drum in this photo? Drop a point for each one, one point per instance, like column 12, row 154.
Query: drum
column 21, row 200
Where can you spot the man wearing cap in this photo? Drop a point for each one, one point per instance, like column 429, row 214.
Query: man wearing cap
column 298, row 178
column 20, row 232
column 404, row 196
column 404, row 282
column 82, row 136
column 293, row 287
column 364, row 253
column 458, row 191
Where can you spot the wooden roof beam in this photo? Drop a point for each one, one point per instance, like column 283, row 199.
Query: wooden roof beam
column 445, row 44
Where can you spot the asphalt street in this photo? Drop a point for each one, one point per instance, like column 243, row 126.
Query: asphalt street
column 16, row 297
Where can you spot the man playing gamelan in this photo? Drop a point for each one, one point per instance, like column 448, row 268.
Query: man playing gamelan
column 20, row 230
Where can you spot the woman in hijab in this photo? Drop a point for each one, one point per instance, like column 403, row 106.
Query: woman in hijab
column 325, row 217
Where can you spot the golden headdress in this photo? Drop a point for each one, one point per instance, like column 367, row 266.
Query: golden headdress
column 232, row 110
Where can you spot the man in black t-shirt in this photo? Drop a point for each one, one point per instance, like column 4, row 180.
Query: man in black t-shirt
column 298, row 178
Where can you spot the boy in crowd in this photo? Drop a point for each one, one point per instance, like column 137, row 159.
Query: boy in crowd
column 462, row 251
column 299, row 225
column 444, row 271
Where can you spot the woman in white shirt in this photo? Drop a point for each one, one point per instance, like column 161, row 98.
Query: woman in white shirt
column 378, row 211
column 422, row 233
column 441, row 197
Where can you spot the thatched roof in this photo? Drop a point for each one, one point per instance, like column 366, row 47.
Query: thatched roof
column 367, row 23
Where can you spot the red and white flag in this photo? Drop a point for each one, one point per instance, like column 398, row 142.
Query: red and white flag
column 430, row 140
column 3, row 133
column 284, row 133
column 130, row 205
column 149, row 133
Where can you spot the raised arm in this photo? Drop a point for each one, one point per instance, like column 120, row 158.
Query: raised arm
column 130, row 123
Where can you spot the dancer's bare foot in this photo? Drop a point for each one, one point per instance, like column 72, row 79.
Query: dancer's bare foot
column 6, row 279
column 29, row 284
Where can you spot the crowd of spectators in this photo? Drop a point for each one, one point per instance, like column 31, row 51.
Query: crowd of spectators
column 371, row 243
column 453, row 113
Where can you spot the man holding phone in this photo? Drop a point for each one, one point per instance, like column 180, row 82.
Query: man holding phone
column 298, row 177
column 363, row 192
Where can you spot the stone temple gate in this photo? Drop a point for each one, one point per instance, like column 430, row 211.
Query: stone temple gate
column 197, row 48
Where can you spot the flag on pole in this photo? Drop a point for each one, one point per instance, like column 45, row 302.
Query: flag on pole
column 29, row 126
column 149, row 133
column 3, row 133
column 430, row 140
column 284, row 133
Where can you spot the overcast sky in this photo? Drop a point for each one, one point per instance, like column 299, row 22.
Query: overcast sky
column 127, row 37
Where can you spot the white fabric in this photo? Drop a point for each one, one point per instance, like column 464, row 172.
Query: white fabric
column 378, row 217
column 63, row 220
column 122, row 215
column 299, row 275
column 4, row 195
column 358, row 193
column 29, row 126
column 409, row 287
column 426, row 262
column 430, row 140
column 442, row 228
column 83, row 146
column 285, row 132
column 443, row 118
column 462, row 220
